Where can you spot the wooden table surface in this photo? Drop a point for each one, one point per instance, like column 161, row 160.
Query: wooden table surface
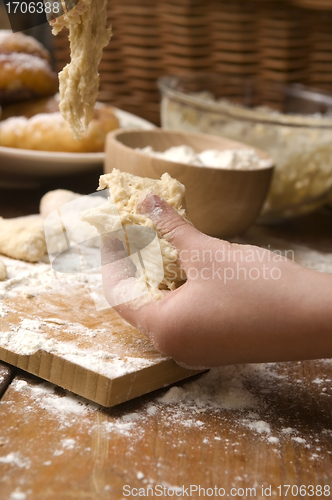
column 241, row 432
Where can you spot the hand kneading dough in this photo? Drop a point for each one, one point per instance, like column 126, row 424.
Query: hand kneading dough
column 127, row 190
column 22, row 238
column 79, row 80
column 3, row 271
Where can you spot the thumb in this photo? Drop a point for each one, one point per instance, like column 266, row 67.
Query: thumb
column 174, row 228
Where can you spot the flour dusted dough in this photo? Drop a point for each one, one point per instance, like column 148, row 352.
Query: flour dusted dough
column 22, row 238
column 55, row 199
column 127, row 190
column 3, row 271
column 79, row 80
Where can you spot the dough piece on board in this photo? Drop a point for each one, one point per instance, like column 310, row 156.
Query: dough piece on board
column 55, row 199
column 79, row 80
column 126, row 190
column 22, row 238
column 3, row 271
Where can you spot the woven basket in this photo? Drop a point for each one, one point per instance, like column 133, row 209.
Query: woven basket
column 277, row 40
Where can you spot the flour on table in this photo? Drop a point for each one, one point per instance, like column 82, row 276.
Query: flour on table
column 218, row 388
column 15, row 459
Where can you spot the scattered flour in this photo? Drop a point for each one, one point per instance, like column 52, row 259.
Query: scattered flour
column 288, row 430
column 299, row 440
column 219, row 388
column 15, row 458
column 63, row 407
column 18, row 495
column 68, row 444
column 259, row 426
column 273, row 439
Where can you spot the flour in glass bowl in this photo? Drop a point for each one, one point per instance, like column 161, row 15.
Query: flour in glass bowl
column 229, row 159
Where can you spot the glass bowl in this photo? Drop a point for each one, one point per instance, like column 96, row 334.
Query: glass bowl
column 291, row 123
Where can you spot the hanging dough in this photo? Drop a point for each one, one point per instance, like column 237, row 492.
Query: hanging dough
column 79, row 80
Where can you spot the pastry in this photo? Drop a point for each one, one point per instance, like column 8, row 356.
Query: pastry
column 49, row 131
column 18, row 42
column 31, row 107
column 24, row 69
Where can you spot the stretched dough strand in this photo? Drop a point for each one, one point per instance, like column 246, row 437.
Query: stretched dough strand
column 79, row 80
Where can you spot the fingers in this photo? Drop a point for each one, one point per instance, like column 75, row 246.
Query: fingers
column 174, row 228
column 119, row 273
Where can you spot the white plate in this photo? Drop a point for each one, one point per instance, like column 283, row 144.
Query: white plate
column 40, row 164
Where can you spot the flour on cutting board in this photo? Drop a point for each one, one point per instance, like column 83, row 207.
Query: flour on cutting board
column 35, row 333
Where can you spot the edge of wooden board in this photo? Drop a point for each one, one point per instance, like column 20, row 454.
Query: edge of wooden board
column 94, row 386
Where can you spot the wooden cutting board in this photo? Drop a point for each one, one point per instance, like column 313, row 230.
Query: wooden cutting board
column 53, row 330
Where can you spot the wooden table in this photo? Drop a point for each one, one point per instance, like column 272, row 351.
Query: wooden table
column 240, row 432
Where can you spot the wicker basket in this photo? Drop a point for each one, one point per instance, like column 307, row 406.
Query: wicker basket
column 277, row 40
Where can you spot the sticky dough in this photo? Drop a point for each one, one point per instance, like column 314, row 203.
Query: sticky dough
column 126, row 190
column 79, row 80
column 22, row 238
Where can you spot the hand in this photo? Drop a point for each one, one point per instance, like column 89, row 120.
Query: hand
column 240, row 303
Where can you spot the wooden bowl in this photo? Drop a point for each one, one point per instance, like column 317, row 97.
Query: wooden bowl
column 220, row 202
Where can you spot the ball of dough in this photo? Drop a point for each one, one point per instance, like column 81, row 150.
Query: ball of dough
column 55, row 199
column 22, row 238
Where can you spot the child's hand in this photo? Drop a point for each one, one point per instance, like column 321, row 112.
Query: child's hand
column 240, row 304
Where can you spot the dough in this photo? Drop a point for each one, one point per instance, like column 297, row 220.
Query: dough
column 127, row 190
column 79, row 80
column 3, row 271
column 22, row 238
column 71, row 206
column 55, row 199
